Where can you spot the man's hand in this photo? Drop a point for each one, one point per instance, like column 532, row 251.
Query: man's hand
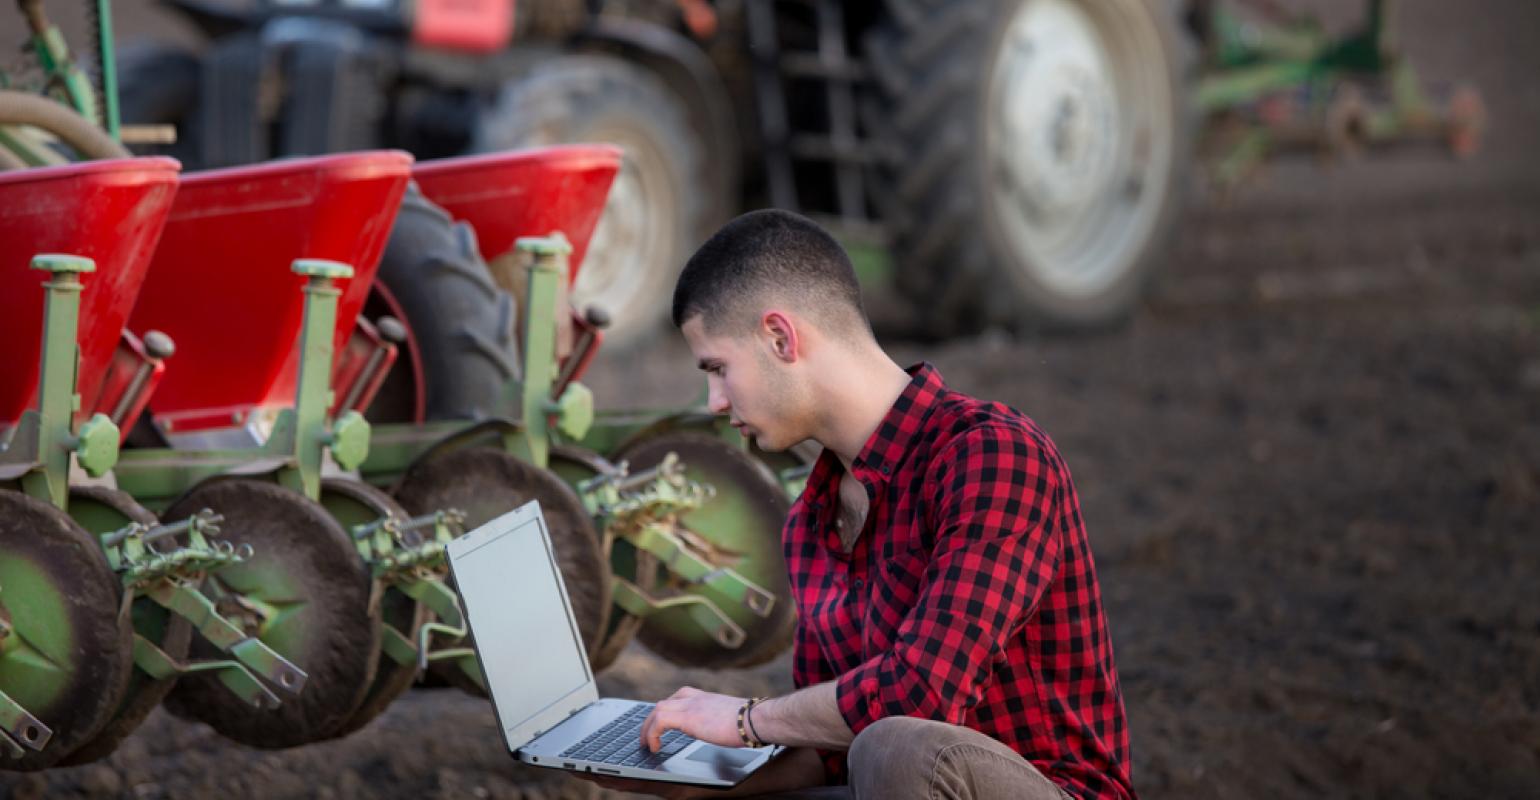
column 705, row 716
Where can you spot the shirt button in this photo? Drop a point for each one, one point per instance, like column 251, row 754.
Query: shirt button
column 885, row 469
column 857, row 583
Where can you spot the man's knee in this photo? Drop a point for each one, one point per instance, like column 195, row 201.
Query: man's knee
column 901, row 757
column 887, row 739
column 895, row 753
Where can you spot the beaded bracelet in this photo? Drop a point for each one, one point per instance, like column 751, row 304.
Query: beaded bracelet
column 749, row 715
column 749, row 739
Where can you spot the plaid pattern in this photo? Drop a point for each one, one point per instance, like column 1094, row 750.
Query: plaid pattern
column 970, row 596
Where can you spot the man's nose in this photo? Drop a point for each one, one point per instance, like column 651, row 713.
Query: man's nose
column 716, row 400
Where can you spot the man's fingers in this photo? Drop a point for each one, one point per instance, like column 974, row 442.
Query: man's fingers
column 647, row 724
column 652, row 735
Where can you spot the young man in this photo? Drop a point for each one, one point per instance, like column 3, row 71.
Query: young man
column 950, row 640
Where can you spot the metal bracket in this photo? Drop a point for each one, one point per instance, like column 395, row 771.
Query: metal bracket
column 574, row 411
column 397, row 646
column 396, row 551
column 9, row 748
column 456, row 632
column 233, row 675
column 705, row 613
column 676, row 553
column 439, row 599
column 20, row 728
column 465, row 656
column 248, row 650
column 128, row 550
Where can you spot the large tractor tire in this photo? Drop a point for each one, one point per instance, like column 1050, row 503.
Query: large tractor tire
column 1039, row 153
column 661, row 203
column 461, row 322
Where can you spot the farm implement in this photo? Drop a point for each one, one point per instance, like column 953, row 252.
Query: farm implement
column 249, row 406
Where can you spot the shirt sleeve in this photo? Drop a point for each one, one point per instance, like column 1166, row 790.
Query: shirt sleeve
column 994, row 558
column 809, row 668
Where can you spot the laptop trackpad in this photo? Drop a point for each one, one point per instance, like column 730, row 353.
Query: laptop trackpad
column 724, row 757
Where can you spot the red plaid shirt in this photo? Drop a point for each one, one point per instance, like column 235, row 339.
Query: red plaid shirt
column 970, row 595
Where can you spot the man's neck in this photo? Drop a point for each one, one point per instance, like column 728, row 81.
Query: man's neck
column 856, row 397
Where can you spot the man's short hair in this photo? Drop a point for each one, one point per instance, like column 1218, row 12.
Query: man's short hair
column 770, row 255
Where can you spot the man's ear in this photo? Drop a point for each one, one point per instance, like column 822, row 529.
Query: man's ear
column 781, row 334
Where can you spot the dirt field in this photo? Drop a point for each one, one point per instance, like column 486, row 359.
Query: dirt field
column 1310, row 468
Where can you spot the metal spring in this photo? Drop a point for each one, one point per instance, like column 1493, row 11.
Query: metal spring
column 93, row 66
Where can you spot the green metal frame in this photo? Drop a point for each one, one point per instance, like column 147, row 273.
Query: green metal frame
column 171, row 579
column 303, row 436
column 643, row 509
column 19, row 729
column 37, row 461
column 46, row 439
column 536, row 417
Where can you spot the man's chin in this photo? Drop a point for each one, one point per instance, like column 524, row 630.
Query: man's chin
column 758, row 440
column 767, row 446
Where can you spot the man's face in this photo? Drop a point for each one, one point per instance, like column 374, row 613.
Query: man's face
column 747, row 383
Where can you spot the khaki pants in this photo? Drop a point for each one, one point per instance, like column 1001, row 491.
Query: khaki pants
column 901, row 758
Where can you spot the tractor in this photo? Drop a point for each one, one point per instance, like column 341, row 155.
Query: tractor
column 231, row 454
column 1009, row 164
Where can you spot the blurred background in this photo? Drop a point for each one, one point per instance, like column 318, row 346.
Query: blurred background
column 1297, row 379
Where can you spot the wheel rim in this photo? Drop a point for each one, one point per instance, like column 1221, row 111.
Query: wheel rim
column 576, row 465
column 101, row 510
column 486, row 483
column 744, row 517
column 353, row 503
column 307, row 571
column 67, row 654
column 1079, row 140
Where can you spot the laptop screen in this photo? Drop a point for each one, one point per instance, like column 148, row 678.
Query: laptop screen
column 526, row 638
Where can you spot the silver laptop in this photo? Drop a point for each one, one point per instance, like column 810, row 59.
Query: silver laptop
column 537, row 671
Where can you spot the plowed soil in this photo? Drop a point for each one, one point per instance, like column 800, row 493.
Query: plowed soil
column 1310, row 467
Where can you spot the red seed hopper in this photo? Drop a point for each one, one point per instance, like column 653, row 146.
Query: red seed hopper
column 525, row 193
column 111, row 212
column 533, row 192
column 221, row 286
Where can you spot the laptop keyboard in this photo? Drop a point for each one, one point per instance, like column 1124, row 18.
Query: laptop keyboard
column 619, row 743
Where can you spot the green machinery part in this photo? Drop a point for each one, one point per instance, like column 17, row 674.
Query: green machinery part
column 577, row 467
column 152, row 573
column 407, row 565
column 100, row 510
column 724, row 561
column 66, row 651
column 304, row 593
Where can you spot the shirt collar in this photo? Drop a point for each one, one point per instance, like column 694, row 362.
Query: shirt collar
column 882, row 454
